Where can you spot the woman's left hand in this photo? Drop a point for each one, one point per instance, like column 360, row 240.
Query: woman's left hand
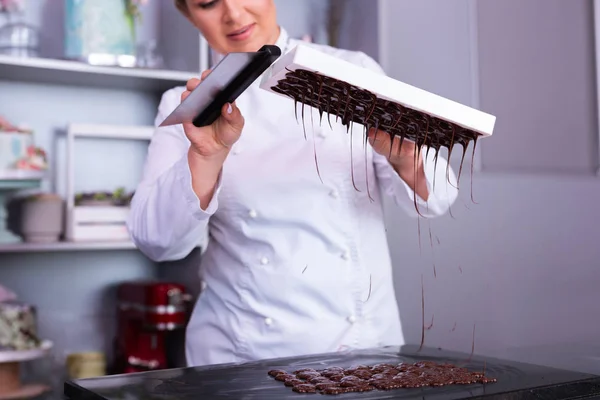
column 402, row 158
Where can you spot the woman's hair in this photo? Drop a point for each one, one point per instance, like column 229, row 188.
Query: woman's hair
column 181, row 6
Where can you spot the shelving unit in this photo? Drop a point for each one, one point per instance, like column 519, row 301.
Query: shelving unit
column 73, row 73
column 65, row 247
column 77, row 217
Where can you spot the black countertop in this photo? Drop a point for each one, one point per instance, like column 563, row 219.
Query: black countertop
column 250, row 380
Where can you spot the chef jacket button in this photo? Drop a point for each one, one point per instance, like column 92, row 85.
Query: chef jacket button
column 346, row 255
column 334, row 193
column 352, row 319
column 268, row 321
column 264, row 261
column 252, row 213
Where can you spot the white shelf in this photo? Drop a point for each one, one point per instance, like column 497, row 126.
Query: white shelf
column 18, row 174
column 25, row 355
column 112, row 131
column 44, row 70
column 65, row 246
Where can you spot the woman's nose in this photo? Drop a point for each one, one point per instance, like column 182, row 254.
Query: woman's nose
column 233, row 10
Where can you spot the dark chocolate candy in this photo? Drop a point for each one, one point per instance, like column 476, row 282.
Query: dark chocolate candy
column 304, row 388
column 293, row 382
column 284, row 377
column 335, row 380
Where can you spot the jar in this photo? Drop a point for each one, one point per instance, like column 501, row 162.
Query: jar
column 100, row 32
column 86, row 365
column 18, row 38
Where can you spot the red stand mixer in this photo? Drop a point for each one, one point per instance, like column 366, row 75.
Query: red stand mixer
column 149, row 314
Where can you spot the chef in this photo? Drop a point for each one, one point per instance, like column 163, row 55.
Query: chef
column 297, row 260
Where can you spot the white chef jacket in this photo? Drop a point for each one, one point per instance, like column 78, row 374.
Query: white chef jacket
column 293, row 266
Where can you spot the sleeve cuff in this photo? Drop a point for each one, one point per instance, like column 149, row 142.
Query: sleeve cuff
column 430, row 208
column 184, row 177
column 411, row 193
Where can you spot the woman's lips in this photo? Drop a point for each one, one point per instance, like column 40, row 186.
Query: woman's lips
column 242, row 34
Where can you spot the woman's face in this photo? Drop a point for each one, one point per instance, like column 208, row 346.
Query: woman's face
column 235, row 25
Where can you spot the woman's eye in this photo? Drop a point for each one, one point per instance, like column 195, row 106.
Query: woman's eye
column 208, row 5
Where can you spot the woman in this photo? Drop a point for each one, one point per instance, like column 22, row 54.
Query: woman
column 293, row 265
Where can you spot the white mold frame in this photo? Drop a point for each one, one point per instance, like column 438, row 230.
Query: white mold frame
column 111, row 132
column 596, row 5
column 385, row 87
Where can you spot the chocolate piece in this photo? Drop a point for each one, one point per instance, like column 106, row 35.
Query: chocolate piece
column 275, row 372
column 324, row 385
column 307, row 374
column 352, row 370
column 332, row 371
column 349, row 381
column 361, row 388
column 319, row 379
column 283, row 377
column 378, row 377
column 363, row 374
column 304, row 370
column 304, row 388
column 293, row 382
column 336, row 378
column 335, row 390
column 377, row 368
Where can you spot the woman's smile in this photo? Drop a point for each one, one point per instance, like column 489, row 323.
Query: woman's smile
column 242, row 34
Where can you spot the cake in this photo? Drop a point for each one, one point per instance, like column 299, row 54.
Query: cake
column 17, row 150
column 18, row 327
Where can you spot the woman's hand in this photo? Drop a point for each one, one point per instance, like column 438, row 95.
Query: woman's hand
column 210, row 145
column 403, row 159
column 217, row 138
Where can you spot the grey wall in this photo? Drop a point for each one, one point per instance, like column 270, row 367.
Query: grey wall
column 359, row 29
column 522, row 264
column 303, row 17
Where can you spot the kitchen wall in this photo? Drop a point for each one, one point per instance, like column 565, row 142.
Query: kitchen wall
column 521, row 266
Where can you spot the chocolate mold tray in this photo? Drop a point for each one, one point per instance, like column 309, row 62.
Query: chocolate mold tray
column 359, row 95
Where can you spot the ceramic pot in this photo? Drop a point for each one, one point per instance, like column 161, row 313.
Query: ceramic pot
column 41, row 219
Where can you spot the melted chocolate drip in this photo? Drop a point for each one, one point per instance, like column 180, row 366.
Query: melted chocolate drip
column 362, row 378
column 422, row 315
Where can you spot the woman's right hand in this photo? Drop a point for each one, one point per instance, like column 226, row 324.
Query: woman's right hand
column 217, row 138
column 210, row 146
